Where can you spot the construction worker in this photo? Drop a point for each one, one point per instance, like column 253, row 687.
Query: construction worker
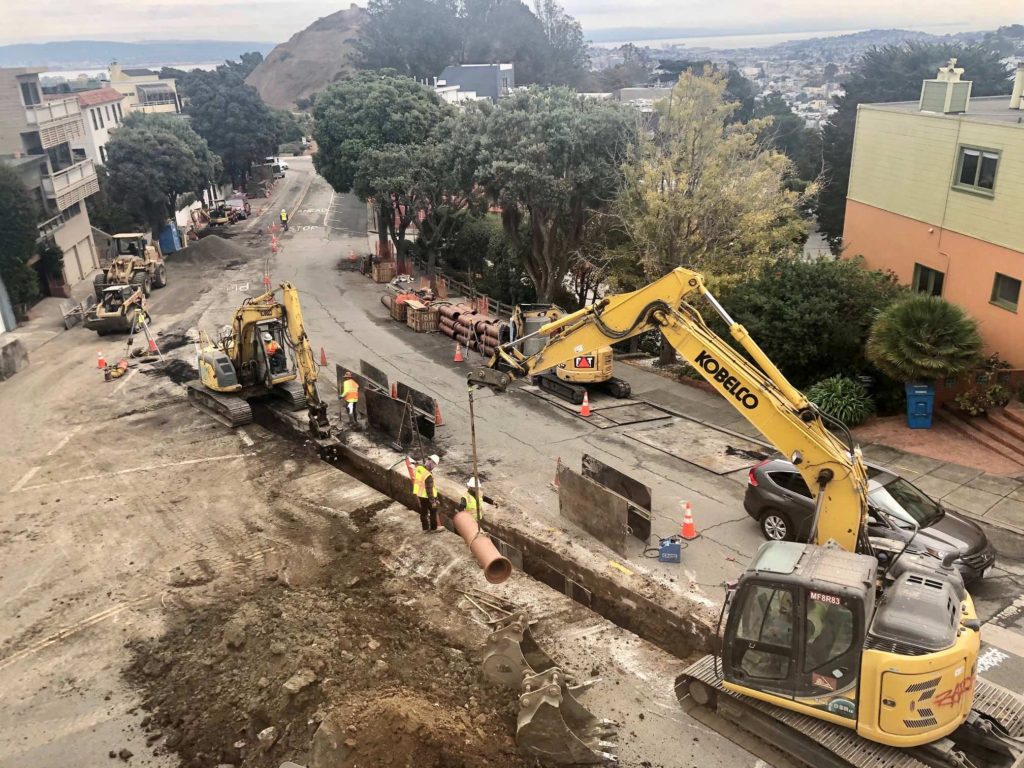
column 468, row 503
column 425, row 490
column 284, row 219
column 350, row 394
column 275, row 354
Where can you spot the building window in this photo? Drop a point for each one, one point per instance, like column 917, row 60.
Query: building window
column 103, row 155
column 927, row 280
column 106, row 109
column 976, row 168
column 1006, row 292
column 30, row 94
column 95, row 125
column 99, row 117
column 120, row 112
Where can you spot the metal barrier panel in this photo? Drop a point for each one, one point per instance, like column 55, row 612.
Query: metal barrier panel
column 420, row 401
column 638, row 519
column 374, row 373
column 598, row 511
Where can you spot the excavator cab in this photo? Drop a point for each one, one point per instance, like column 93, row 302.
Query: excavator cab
column 270, row 353
column 796, row 627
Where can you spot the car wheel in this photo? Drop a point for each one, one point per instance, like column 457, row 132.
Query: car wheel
column 776, row 526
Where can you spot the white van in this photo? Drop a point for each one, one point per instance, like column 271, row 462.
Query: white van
column 276, row 161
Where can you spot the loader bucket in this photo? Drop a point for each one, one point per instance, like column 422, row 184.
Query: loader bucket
column 554, row 727
column 510, row 653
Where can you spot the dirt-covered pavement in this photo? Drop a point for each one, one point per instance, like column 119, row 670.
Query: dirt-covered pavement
column 175, row 593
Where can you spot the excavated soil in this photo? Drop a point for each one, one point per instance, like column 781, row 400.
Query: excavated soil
column 328, row 670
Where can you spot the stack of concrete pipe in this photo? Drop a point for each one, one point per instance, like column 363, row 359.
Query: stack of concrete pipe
column 476, row 332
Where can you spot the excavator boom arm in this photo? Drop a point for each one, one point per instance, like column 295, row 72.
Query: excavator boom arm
column 759, row 392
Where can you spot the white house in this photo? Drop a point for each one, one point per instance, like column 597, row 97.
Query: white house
column 102, row 113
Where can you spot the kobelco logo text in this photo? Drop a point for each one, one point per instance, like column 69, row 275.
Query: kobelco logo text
column 729, row 382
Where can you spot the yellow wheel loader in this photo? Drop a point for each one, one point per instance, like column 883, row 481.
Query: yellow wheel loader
column 846, row 651
column 134, row 261
column 588, row 370
column 265, row 351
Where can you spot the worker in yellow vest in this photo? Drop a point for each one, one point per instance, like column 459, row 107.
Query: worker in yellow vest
column 350, row 394
column 284, row 219
column 469, row 500
column 426, row 492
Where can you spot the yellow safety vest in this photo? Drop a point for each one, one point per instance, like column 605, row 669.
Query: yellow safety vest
column 419, row 483
column 284, row 216
column 470, row 499
column 350, row 391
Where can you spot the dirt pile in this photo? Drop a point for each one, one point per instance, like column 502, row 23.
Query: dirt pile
column 310, row 61
column 248, row 679
column 214, row 249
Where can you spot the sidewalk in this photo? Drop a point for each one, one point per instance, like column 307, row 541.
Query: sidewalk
column 45, row 321
column 989, row 498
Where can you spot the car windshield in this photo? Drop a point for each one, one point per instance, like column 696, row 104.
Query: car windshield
column 905, row 504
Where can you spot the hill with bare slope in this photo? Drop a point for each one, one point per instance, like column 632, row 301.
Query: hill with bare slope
column 311, row 60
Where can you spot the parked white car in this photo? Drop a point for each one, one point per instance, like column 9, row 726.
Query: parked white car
column 276, row 161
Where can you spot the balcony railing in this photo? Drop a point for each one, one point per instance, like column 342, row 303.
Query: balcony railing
column 71, row 185
column 57, row 121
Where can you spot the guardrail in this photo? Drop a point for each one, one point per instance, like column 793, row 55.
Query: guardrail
column 48, row 111
column 58, row 183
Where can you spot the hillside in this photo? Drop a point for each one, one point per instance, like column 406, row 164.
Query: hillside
column 310, row 60
column 70, row 54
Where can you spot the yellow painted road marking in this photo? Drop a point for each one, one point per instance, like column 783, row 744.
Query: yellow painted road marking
column 620, row 567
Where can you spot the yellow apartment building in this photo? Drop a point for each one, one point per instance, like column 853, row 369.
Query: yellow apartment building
column 937, row 196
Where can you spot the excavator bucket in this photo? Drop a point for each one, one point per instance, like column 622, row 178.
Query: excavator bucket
column 554, row 727
column 510, row 654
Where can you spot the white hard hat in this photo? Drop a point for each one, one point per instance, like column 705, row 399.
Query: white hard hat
column 267, row 337
column 434, row 458
column 283, row 210
column 471, row 483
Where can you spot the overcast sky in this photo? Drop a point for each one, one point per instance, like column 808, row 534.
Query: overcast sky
column 277, row 20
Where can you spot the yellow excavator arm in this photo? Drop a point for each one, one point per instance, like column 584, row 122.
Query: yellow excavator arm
column 759, row 392
column 305, row 360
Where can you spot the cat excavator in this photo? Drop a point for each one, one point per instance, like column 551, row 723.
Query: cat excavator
column 848, row 651
column 265, row 351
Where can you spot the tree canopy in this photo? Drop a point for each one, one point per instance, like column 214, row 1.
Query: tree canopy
column 892, row 73
column 231, row 117
column 551, row 160
column 375, row 134
column 737, row 88
column 419, row 38
column 703, row 193
column 151, row 160
column 18, row 235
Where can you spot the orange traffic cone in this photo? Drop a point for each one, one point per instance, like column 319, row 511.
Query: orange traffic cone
column 100, row 362
column 351, row 254
column 152, row 346
column 458, row 353
column 558, row 466
column 438, row 421
column 688, row 530
column 266, row 282
column 585, row 408
column 394, row 390
column 323, row 357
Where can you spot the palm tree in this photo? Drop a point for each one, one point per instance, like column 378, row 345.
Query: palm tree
column 923, row 338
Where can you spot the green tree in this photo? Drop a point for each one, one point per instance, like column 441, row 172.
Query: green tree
column 737, row 88
column 924, row 338
column 104, row 213
column 231, row 117
column 567, row 59
column 551, row 160
column 503, row 31
column 152, row 160
column 370, row 132
column 416, row 38
column 246, row 63
column 811, row 318
column 704, row 194
column 18, row 236
column 788, row 134
column 892, row 73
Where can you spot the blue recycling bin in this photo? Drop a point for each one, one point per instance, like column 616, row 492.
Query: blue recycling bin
column 170, row 240
column 920, row 402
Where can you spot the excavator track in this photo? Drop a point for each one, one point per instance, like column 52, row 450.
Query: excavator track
column 820, row 744
column 549, row 382
column 617, row 387
column 292, row 393
column 230, row 410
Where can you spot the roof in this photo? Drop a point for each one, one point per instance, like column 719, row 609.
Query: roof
column 139, row 72
column 98, row 96
column 982, row 109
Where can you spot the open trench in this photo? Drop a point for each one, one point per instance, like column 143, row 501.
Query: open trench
column 642, row 608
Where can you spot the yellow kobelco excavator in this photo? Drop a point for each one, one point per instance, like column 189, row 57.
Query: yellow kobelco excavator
column 264, row 351
column 569, row 380
column 847, row 651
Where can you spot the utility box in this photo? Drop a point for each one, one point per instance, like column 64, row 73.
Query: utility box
column 920, row 402
column 670, row 550
column 170, row 239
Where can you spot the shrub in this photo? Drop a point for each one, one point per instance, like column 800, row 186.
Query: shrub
column 842, row 398
column 923, row 338
column 976, row 402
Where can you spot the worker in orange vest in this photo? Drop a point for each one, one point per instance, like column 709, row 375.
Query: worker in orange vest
column 275, row 354
column 350, row 394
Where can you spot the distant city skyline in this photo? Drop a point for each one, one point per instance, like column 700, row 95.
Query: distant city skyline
column 275, row 21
